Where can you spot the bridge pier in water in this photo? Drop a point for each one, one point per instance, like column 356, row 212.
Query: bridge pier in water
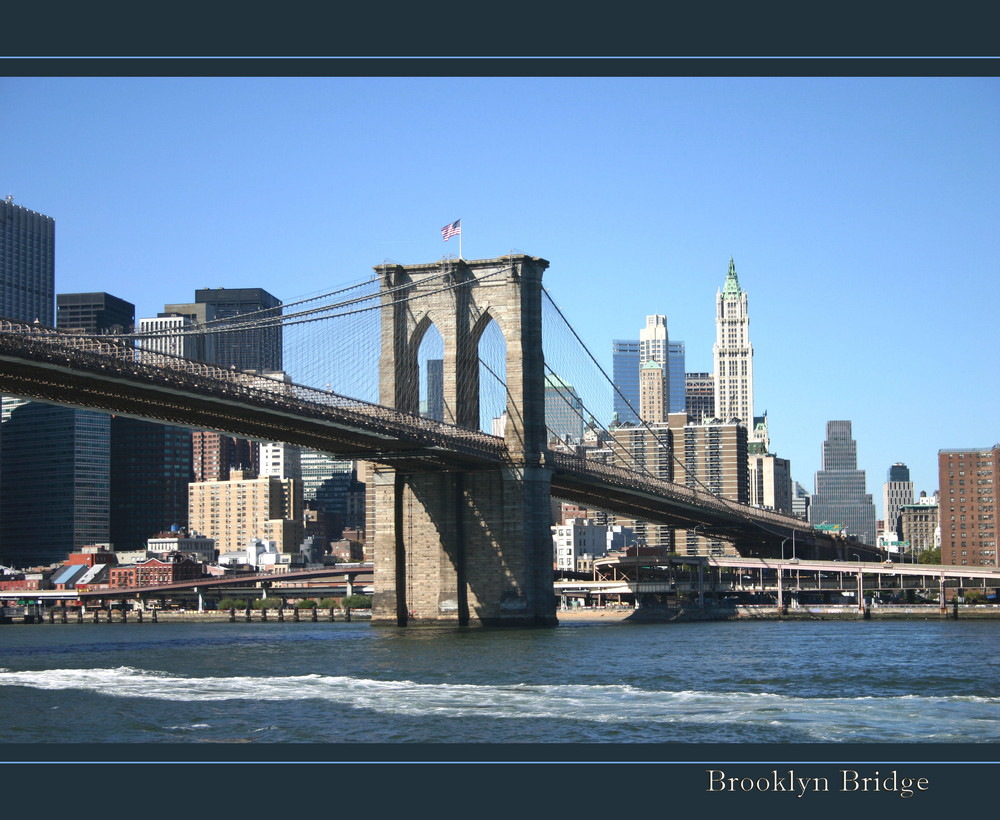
column 465, row 546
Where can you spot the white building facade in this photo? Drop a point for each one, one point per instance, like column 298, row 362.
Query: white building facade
column 732, row 353
column 578, row 542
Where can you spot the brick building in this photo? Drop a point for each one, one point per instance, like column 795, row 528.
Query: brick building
column 968, row 482
column 154, row 572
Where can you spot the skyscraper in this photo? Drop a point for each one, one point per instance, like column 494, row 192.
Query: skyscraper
column 27, row 286
column 677, row 377
column 652, row 386
column 629, row 355
column 150, row 472
column 54, row 481
column 840, row 496
column 55, row 476
column 254, row 348
column 435, row 390
column 896, row 492
column 94, row 313
column 654, row 346
column 732, row 353
column 563, row 411
column 800, row 501
column 625, row 374
column 27, row 264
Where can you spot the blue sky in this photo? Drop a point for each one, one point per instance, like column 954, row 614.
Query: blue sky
column 862, row 215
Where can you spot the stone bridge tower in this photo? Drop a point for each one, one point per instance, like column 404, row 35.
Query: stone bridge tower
column 469, row 547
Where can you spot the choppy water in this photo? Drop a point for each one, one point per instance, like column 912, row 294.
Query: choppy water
column 759, row 682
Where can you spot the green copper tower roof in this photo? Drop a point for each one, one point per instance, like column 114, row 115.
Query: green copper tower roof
column 732, row 283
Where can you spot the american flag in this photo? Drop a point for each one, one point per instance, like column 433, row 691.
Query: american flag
column 448, row 231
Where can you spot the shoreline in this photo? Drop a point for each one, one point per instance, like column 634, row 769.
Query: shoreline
column 575, row 615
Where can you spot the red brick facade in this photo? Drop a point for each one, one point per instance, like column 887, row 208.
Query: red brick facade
column 154, row 572
column 968, row 504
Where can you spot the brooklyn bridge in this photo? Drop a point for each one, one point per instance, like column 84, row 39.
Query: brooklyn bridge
column 461, row 517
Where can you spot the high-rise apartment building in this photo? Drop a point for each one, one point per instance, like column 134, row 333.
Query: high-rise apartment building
column 699, row 397
column 646, row 449
column 896, row 492
column 280, row 459
column 257, row 347
column 214, row 455
column 967, row 505
column 711, row 456
column 732, row 352
column 232, row 512
column 27, row 264
column 770, row 482
column 840, row 496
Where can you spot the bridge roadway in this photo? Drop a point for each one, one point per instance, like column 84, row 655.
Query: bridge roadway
column 100, row 373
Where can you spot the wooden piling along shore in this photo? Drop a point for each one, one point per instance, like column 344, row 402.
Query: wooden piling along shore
column 56, row 615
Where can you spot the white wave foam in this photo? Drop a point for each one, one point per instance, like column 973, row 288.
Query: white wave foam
column 907, row 717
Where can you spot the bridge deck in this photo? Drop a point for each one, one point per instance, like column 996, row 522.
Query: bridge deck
column 103, row 374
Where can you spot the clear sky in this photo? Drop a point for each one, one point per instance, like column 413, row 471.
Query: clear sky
column 862, row 215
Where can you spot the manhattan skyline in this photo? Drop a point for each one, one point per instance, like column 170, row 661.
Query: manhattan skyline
column 860, row 213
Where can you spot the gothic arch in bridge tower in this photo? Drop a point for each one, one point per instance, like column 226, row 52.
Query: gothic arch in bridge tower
column 465, row 546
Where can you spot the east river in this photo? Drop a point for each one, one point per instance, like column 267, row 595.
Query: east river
column 708, row 682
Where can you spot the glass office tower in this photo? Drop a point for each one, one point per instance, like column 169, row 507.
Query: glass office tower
column 27, row 264
column 254, row 348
